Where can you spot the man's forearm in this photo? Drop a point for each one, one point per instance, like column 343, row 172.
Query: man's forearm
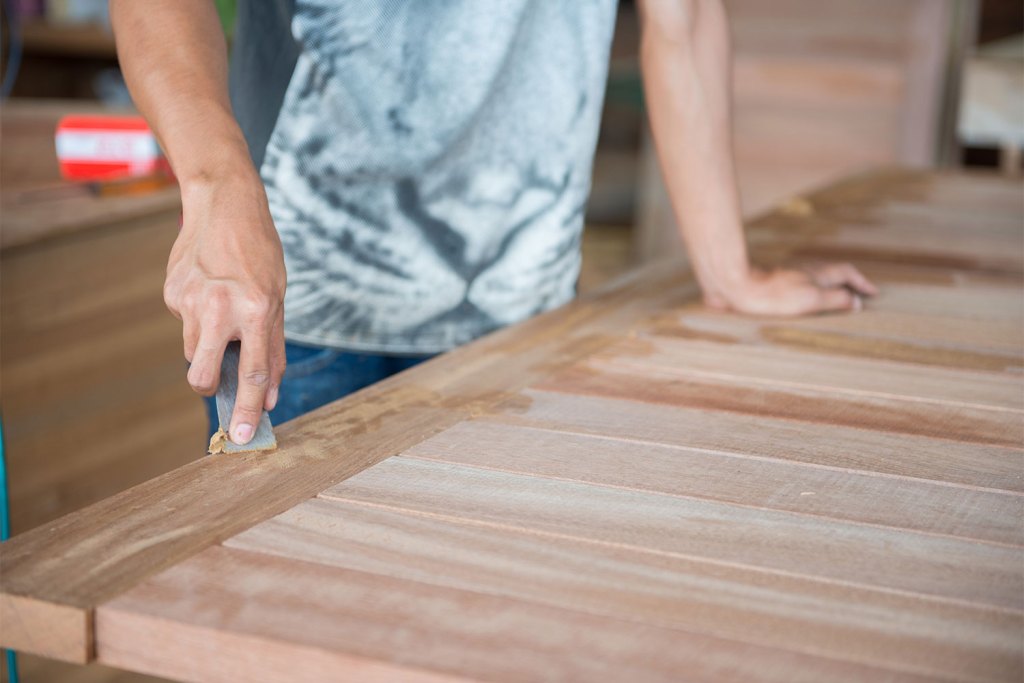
column 686, row 62
column 225, row 275
column 174, row 59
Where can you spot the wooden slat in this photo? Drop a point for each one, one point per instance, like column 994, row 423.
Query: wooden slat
column 982, row 249
column 28, row 223
column 283, row 619
column 981, row 304
column 843, row 377
column 741, row 480
column 859, row 206
column 866, row 626
column 825, row 445
column 73, row 564
column 995, row 221
column 979, row 193
column 955, row 569
column 926, row 340
column 806, row 402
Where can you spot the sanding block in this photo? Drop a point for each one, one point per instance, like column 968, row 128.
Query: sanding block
column 227, row 390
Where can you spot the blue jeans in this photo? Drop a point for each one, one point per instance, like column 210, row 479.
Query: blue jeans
column 316, row 376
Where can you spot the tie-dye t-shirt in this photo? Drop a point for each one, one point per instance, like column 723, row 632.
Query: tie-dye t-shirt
column 427, row 162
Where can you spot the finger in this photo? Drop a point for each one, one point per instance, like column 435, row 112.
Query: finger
column 838, row 299
column 204, row 373
column 843, row 275
column 860, row 283
column 190, row 337
column 253, row 382
column 171, row 299
column 278, row 362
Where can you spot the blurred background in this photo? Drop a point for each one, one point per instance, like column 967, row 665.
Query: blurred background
column 91, row 374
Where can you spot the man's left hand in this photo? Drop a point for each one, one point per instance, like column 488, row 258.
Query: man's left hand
column 817, row 289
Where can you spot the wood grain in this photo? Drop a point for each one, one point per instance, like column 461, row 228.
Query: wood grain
column 999, row 252
column 759, row 482
column 905, row 633
column 830, row 446
column 954, row 569
column 795, row 401
column 29, row 223
column 978, row 304
column 980, row 207
column 354, row 625
column 908, row 338
column 842, row 377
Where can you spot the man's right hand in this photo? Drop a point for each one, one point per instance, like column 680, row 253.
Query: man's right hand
column 226, row 281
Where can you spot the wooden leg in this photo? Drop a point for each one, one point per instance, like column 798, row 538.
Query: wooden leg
column 1009, row 159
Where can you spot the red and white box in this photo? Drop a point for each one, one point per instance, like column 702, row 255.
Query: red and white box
column 107, row 147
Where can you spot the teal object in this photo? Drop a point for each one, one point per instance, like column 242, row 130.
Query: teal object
column 5, row 533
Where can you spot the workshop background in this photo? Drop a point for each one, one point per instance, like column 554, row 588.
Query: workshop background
column 92, row 383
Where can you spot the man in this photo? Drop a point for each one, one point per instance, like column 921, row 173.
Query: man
column 425, row 165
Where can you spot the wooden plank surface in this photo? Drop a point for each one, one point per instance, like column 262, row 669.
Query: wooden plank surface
column 895, row 559
column 798, row 613
column 816, row 372
column 629, row 486
column 756, row 482
column 838, row 447
column 940, row 340
column 69, row 566
column 798, row 401
column 371, row 627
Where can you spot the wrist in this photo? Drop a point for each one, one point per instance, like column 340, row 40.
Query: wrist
column 728, row 284
column 222, row 163
column 234, row 187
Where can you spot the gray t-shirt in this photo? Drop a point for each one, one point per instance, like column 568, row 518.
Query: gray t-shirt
column 427, row 162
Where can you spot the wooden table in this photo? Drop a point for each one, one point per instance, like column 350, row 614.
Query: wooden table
column 629, row 488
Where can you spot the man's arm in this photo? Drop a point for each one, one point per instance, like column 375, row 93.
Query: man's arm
column 225, row 275
column 686, row 59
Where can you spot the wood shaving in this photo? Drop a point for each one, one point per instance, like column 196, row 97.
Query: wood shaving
column 218, row 442
column 796, row 206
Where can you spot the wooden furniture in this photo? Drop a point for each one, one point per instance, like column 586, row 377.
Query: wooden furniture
column 826, row 88
column 69, row 39
column 629, row 488
column 992, row 106
column 64, row 59
column 91, row 365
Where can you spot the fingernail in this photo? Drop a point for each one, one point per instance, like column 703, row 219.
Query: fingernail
column 242, row 434
column 271, row 398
